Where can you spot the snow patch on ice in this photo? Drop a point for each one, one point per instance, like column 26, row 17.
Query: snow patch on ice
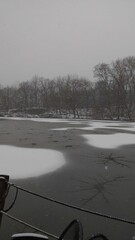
column 27, row 162
column 109, row 140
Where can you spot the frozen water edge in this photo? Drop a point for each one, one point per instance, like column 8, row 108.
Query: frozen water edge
column 109, row 140
column 21, row 163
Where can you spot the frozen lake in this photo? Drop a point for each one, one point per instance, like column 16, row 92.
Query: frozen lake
column 91, row 164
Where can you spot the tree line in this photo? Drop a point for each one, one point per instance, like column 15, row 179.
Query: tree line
column 110, row 96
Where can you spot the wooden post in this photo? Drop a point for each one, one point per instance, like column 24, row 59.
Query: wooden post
column 3, row 190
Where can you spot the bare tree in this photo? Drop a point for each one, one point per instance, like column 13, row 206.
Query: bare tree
column 115, row 88
column 123, row 77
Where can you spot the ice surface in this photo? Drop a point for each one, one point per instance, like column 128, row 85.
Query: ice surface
column 28, row 162
column 97, row 140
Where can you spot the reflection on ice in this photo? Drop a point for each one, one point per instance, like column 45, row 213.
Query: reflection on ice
column 109, row 140
column 28, row 162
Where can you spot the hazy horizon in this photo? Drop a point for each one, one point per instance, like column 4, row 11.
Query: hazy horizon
column 52, row 38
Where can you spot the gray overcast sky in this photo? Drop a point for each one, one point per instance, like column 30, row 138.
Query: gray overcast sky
column 59, row 37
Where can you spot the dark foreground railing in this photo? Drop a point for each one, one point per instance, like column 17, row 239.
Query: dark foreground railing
column 3, row 192
column 72, row 232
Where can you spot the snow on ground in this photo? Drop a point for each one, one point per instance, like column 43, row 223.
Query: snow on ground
column 25, row 162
